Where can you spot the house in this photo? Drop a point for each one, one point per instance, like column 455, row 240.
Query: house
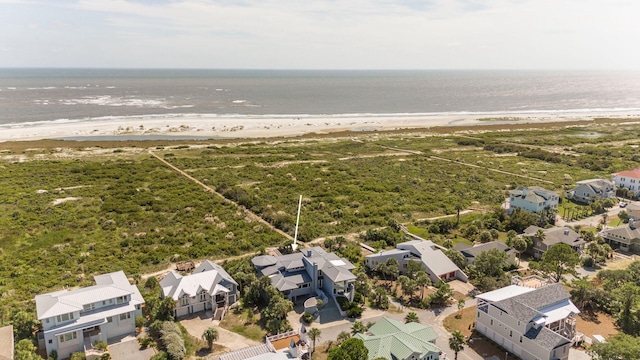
column 470, row 252
column 73, row 320
column 392, row 339
column 531, row 323
column 310, row 272
column 532, row 199
column 6, row 343
column 624, row 237
column 286, row 346
column 587, row 190
column 209, row 287
column 633, row 210
column 629, row 179
column 552, row 236
column 434, row 262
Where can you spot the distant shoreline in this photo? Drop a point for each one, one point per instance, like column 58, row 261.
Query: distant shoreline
column 220, row 128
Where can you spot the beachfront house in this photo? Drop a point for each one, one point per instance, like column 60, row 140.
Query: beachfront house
column 434, row 262
column 531, row 323
column 550, row 237
column 392, row 339
column 629, row 179
column 310, row 272
column 74, row 320
column 209, row 287
column 470, row 252
column 624, row 237
column 588, row 190
column 532, row 199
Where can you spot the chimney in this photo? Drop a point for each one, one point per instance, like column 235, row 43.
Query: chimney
column 293, row 349
column 308, row 252
column 566, row 232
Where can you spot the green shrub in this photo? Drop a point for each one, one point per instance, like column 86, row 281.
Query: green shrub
column 100, row 345
column 343, row 302
column 307, row 318
column 140, row 320
column 78, row 356
column 354, row 310
column 161, row 355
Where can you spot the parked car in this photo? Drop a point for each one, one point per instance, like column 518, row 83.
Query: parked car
column 623, row 204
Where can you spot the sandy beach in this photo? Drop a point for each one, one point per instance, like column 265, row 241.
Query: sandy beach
column 229, row 127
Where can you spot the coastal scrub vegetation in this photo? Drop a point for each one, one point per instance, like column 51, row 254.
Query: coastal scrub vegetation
column 64, row 220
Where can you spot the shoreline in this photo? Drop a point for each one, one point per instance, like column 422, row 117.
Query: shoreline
column 199, row 127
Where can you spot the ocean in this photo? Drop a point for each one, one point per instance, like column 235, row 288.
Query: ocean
column 33, row 96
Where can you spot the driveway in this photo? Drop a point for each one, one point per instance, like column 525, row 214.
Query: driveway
column 129, row 349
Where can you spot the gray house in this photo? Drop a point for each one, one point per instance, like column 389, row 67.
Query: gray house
column 552, row 237
column 434, row 262
column 624, row 237
column 532, row 199
column 586, row 190
column 209, row 287
column 310, row 272
column 470, row 252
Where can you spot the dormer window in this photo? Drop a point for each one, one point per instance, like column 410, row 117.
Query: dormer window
column 203, row 295
column 184, row 301
column 88, row 307
column 65, row 317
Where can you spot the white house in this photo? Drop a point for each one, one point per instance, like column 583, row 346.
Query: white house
column 310, row 272
column 532, row 199
column 209, row 287
column 629, row 179
column 73, row 320
column 586, row 190
column 552, row 236
column 392, row 339
column 434, row 262
column 533, row 324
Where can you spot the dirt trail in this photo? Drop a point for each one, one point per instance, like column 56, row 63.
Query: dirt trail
column 248, row 212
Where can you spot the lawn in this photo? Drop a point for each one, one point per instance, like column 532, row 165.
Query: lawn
column 240, row 323
column 461, row 320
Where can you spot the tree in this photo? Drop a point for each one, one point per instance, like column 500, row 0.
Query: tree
column 412, row 268
column 559, row 260
column 456, row 257
column 314, row 334
column 618, row 347
column 358, row 328
column 350, row 349
column 491, row 263
column 461, row 303
column 456, row 343
column 343, row 336
column 379, row 298
column 24, row 325
column 519, row 245
column 411, row 317
column 626, row 298
column 210, row 335
column 485, row 236
column 422, row 280
column 25, row 350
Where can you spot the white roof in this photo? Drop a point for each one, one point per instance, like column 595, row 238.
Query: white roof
column 109, row 286
column 559, row 311
column 92, row 319
column 504, row 293
column 175, row 285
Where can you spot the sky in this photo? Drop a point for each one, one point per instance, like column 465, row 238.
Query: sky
column 321, row 34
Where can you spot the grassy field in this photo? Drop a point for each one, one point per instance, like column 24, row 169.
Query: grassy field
column 71, row 210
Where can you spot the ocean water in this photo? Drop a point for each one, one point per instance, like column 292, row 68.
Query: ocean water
column 29, row 96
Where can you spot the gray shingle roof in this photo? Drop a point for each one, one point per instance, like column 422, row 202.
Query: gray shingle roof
column 546, row 338
column 477, row 249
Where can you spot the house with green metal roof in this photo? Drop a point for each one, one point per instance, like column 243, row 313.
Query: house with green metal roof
column 392, row 339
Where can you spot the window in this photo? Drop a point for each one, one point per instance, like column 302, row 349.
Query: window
column 203, row 295
column 491, row 321
column 104, row 302
column 47, row 320
column 110, row 319
column 125, row 316
column 65, row 317
column 510, row 333
column 478, row 314
column 88, row 307
column 184, row 301
column 68, row 337
column 521, row 339
column 121, row 299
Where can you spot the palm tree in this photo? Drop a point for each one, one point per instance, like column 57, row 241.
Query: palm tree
column 343, row 336
column 411, row 317
column 456, row 343
column 358, row 328
column 210, row 335
column 314, row 334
